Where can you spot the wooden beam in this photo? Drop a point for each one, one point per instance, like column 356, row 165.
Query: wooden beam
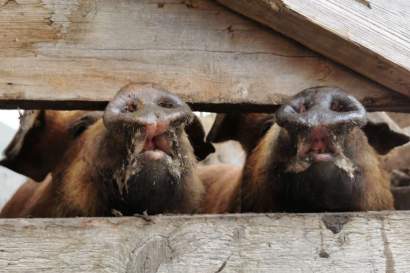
column 373, row 242
column 77, row 54
column 370, row 37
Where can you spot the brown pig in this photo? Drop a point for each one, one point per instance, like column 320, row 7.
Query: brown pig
column 137, row 158
column 314, row 158
column 246, row 128
column 42, row 139
column 38, row 146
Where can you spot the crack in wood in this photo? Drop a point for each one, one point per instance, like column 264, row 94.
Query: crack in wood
column 147, row 257
column 388, row 255
column 223, row 264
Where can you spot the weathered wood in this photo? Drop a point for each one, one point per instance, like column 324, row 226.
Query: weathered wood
column 78, row 53
column 403, row 120
column 372, row 39
column 357, row 242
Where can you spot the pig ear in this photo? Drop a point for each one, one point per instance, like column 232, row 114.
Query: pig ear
column 196, row 135
column 81, row 124
column 383, row 133
column 17, row 155
column 224, row 128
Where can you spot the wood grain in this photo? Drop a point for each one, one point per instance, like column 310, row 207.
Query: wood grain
column 370, row 37
column 355, row 242
column 77, row 53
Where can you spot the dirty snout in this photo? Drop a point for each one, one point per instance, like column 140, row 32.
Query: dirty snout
column 318, row 120
column 147, row 116
column 145, row 125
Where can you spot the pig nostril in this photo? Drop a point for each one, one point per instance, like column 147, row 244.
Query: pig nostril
column 340, row 106
column 131, row 107
column 302, row 107
column 167, row 103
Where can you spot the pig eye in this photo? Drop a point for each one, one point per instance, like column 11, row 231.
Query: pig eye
column 78, row 127
column 265, row 127
column 167, row 103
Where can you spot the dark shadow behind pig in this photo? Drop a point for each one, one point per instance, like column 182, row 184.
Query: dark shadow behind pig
column 314, row 158
column 137, row 158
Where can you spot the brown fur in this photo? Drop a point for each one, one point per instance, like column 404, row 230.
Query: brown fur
column 254, row 191
column 23, row 200
column 79, row 186
column 222, row 183
column 257, row 189
column 55, row 132
column 44, row 130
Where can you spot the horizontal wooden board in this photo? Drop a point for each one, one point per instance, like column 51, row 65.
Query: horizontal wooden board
column 355, row 242
column 370, row 37
column 78, row 53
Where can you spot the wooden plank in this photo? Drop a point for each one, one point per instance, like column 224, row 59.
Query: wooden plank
column 78, row 53
column 370, row 37
column 403, row 120
column 355, row 242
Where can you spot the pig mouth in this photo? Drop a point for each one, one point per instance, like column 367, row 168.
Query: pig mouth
column 328, row 153
column 318, row 146
column 158, row 147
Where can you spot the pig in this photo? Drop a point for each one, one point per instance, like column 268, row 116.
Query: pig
column 136, row 159
column 43, row 138
column 45, row 135
column 37, row 147
column 222, row 187
column 314, row 157
column 246, row 128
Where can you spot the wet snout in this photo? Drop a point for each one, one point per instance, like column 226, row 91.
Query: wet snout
column 149, row 110
column 322, row 106
column 319, row 117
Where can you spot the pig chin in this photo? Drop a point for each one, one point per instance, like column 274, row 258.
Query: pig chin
column 153, row 186
column 323, row 186
column 150, row 182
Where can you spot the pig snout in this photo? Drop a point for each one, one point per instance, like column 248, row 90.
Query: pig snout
column 150, row 110
column 328, row 107
column 319, row 118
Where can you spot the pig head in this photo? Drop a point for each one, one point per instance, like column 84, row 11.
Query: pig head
column 136, row 158
column 315, row 158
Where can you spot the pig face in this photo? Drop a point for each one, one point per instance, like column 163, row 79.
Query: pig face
column 145, row 126
column 318, row 123
column 315, row 158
